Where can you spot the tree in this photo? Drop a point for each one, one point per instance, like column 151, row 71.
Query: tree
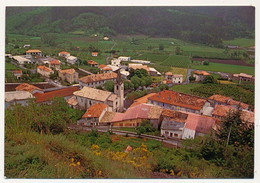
column 145, row 127
column 191, row 78
column 109, row 86
column 161, row 47
column 209, row 79
column 178, row 51
column 49, row 39
column 54, row 75
column 206, row 62
column 163, row 87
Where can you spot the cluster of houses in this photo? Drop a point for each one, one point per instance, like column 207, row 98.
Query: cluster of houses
column 176, row 114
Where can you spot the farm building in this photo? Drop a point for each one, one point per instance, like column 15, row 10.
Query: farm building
column 97, row 79
column 221, row 111
column 17, row 97
column 18, row 74
column 72, row 59
column 173, row 123
column 70, row 75
column 34, row 52
column 21, row 60
column 55, row 64
column 92, row 115
column 138, row 66
column 92, row 63
column 125, row 59
column 179, row 102
column 29, row 88
column 243, row 77
column 87, row 97
column 66, row 93
column 44, row 71
column 153, row 72
column 141, row 61
column 197, row 125
column 134, row 116
column 64, row 54
column 200, row 75
column 94, row 54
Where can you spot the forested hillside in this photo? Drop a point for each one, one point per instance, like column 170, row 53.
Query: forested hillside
column 206, row 25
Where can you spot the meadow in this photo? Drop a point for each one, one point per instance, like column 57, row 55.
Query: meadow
column 241, row 42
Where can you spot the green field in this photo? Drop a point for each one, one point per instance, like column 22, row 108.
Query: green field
column 186, row 88
column 241, row 42
column 234, row 69
column 9, row 66
column 177, row 61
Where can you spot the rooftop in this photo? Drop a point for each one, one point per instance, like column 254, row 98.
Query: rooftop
column 67, row 71
column 46, row 69
column 139, row 66
column 72, row 101
column 94, row 111
column 17, row 72
column 175, row 115
column 107, row 117
column 33, row 51
column 220, row 98
column 243, row 75
column 26, row 87
column 101, row 66
column 54, row 62
column 95, row 94
column 142, row 100
column 222, row 110
column 179, row 99
column 204, row 73
column 17, row 95
column 168, row 74
column 64, row 92
column 91, row 62
column 177, row 75
column 201, row 124
column 98, row 77
column 64, row 52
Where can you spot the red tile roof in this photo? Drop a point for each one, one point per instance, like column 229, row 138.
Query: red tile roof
column 204, row 73
column 67, row 71
column 64, row 52
column 168, row 74
column 43, row 97
column 142, row 100
column 33, row 51
column 222, row 110
column 220, row 98
column 26, row 87
column 201, row 124
column 17, row 72
column 179, row 99
column 176, row 115
column 54, row 62
column 98, row 77
column 94, row 111
column 241, row 104
column 101, row 66
column 91, row 62
column 46, row 69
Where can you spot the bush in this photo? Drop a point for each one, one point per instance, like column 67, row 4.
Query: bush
column 206, row 62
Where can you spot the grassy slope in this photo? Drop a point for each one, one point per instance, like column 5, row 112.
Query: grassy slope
column 242, row 42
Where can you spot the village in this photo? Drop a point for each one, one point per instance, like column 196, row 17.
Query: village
column 176, row 115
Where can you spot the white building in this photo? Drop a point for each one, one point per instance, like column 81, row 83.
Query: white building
column 17, row 97
column 141, row 61
column 21, row 60
column 177, row 78
column 116, row 62
column 126, row 59
column 72, row 59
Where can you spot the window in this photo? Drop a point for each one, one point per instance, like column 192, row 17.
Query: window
column 166, row 132
column 175, row 135
column 170, row 134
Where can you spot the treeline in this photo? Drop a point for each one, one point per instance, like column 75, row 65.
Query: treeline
column 206, row 25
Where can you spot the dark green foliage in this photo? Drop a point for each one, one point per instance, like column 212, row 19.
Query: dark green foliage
column 163, row 87
column 128, row 85
column 135, row 95
column 206, row 62
column 209, row 79
column 54, row 75
column 145, row 127
column 178, row 51
column 161, row 47
column 191, row 78
column 109, row 86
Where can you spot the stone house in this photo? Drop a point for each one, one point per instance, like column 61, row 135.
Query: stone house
column 95, row 80
column 44, row 71
column 70, row 75
column 200, row 75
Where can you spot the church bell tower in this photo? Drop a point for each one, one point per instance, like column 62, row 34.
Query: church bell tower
column 119, row 91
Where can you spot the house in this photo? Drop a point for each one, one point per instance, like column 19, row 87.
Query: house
column 95, row 80
column 66, row 93
column 116, row 62
column 92, row 63
column 200, row 75
column 142, row 100
column 138, row 66
column 91, row 116
column 178, row 101
column 243, row 77
column 72, row 59
column 18, row 74
column 72, row 102
column 224, row 100
column 87, row 97
column 70, row 75
column 134, row 116
column 125, row 59
column 173, row 123
column 197, row 125
column 106, row 69
column 26, row 46
column 29, row 88
column 153, row 72
column 64, row 54
column 44, row 71
column 94, row 54
column 34, row 52
column 101, row 66
column 168, row 76
column 141, row 61
column 124, row 73
column 17, row 97
column 105, row 38
column 21, row 60
column 177, row 78
column 44, row 60
column 221, row 111
column 55, row 64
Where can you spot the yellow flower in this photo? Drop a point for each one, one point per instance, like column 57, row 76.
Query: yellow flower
column 99, row 173
column 72, row 159
column 78, row 163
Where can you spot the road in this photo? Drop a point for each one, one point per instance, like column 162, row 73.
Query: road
column 104, row 129
column 87, row 72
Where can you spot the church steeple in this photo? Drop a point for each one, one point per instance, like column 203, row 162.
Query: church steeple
column 119, row 91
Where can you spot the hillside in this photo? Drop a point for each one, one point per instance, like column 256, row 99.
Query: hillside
column 207, row 25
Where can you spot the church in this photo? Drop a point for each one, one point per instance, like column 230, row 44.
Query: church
column 89, row 96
